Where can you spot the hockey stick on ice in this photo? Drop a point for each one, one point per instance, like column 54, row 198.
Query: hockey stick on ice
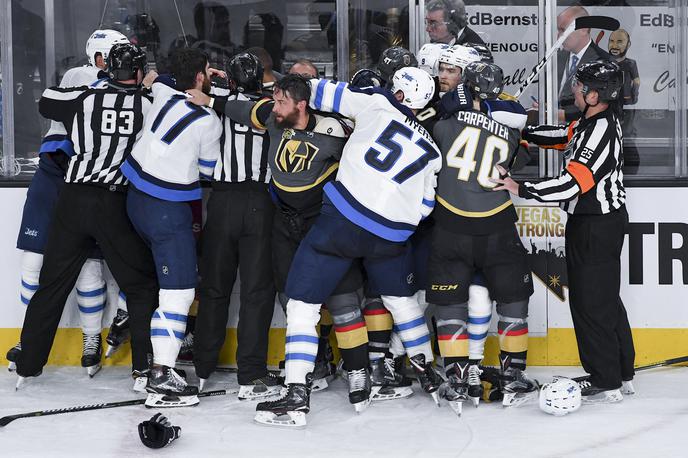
column 585, row 22
column 666, row 362
column 4, row 421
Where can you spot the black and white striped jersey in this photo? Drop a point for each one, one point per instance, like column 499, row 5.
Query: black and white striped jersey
column 103, row 124
column 243, row 149
column 592, row 180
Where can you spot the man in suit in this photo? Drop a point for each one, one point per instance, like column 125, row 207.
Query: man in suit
column 446, row 22
column 578, row 49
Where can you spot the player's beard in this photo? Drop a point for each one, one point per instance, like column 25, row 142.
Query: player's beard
column 288, row 121
column 620, row 55
column 206, row 85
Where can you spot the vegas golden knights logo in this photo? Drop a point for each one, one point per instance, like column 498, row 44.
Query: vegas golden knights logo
column 294, row 156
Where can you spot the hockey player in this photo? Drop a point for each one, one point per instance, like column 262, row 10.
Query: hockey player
column 303, row 157
column 369, row 223
column 391, row 60
column 475, row 230
column 237, row 237
column 40, row 204
column 179, row 145
column 103, row 124
column 451, row 63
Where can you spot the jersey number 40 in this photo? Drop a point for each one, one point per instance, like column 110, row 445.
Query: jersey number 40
column 462, row 154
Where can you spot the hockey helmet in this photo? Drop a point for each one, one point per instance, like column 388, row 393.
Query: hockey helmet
column 366, row 77
column 394, row 58
column 418, row 87
column 560, row 397
column 245, row 72
column 483, row 51
column 429, row 55
column 484, row 79
column 102, row 41
column 459, row 56
column 602, row 76
column 125, row 60
column 454, row 13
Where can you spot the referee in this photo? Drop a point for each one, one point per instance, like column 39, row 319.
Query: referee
column 104, row 124
column 591, row 191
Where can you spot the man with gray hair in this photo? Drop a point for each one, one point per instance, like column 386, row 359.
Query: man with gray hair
column 446, row 22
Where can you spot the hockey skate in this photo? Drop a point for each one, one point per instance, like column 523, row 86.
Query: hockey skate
column 261, row 388
column 290, row 410
column 627, row 387
column 118, row 333
column 475, row 386
column 140, row 380
column 387, row 384
column 517, row 388
column 12, row 357
column 456, row 389
column 167, row 388
column 591, row 394
column 359, row 389
column 428, row 377
column 90, row 359
column 185, row 356
column 24, row 381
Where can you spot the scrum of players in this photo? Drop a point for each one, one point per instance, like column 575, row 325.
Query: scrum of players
column 384, row 211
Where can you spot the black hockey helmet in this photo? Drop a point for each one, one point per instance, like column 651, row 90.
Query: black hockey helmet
column 603, row 76
column 366, row 77
column 245, row 72
column 125, row 60
column 483, row 51
column 394, row 58
column 454, row 13
column 486, row 80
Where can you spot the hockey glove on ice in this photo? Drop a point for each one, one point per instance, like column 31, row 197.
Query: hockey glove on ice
column 158, row 431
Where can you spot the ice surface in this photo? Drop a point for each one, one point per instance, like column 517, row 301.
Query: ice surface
column 653, row 422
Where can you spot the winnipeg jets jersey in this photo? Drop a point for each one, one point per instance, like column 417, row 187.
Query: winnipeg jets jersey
column 429, row 57
column 180, row 144
column 387, row 174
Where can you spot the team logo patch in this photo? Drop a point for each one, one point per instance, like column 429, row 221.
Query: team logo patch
column 165, row 270
column 410, row 279
column 31, row 232
column 294, row 156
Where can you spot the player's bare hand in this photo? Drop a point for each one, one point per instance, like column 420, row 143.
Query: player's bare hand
column 149, row 79
column 198, row 97
column 506, row 183
column 215, row 72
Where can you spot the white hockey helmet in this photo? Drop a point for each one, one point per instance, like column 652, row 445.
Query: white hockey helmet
column 101, row 41
column 458, row 56
column 417, row 85
column 429, row 55
column 560, row 397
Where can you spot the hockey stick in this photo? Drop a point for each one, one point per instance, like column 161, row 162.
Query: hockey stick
column 4, row 421
column 585, row 22
column 666, row 362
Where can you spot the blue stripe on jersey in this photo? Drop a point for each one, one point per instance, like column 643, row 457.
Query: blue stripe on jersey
column 477, row 336
column 94, row 309
column 302, row 338
column 410, row 324
column 429, row 203
column 171, row 316
column 300, row 356
column 158, row 188
column 98, row 81
column 479, row 319
column 121, row 294
column 393, row 231
column 155, row 332
column 204, row 163
column 419, row 341
column 338, row 96
column 28, row 286
column 52, row 143
column 94, row 293
column 25, row 300
column 319, row 94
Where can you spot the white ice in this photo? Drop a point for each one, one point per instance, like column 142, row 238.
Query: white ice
column 653, row 422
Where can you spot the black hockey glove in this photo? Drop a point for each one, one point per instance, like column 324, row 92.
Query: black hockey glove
column 460, row 99
column 158, row 431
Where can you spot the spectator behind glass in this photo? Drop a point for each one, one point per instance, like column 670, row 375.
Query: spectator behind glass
column 446, row 22
column 305, row 68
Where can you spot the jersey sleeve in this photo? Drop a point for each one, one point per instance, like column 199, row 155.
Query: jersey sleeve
column 549, row 137
column 254, row 114
column 60, row 104
column 210, row 149
column 430, row 183
column 335, row 97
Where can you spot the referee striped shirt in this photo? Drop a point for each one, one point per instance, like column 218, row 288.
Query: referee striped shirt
column 592, row 180
column 103, row 124
column 243, row 149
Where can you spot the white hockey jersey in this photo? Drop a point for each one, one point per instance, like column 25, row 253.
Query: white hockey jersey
column 429, row 57
column 180, row 144
column 387, row 174
column 56, row 138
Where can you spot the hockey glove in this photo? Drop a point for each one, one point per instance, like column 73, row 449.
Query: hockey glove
column 460, row 99
column 158, row 431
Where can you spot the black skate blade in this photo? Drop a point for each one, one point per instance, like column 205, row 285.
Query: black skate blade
column 162, row 401
column 290, row 420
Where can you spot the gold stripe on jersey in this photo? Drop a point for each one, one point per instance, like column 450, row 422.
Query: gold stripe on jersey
column 471, row 214
column 254, row 116
column 320, row 179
